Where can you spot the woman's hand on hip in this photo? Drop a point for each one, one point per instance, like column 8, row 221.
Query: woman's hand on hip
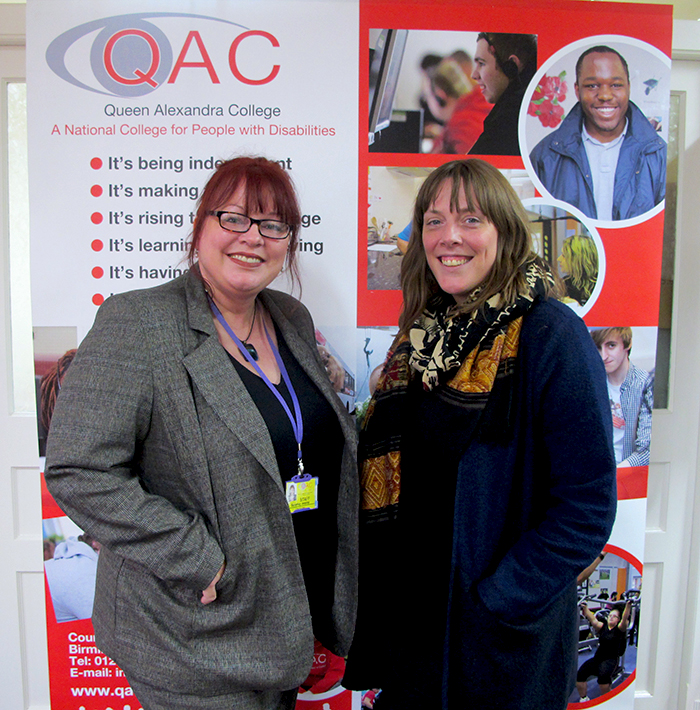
column 209, row 594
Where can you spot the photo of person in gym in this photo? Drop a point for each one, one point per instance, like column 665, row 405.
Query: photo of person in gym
column 609, row 598
column 612, row 640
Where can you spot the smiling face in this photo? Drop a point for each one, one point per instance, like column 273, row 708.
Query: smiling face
column 237, row 266
column 460, row 246
column 603, row 90
column 491, row 80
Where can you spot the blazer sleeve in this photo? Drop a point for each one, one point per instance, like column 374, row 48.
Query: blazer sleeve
column 101, row 421
column 576, row 466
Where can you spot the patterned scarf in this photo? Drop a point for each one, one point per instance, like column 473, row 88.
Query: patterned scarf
column 462, row 355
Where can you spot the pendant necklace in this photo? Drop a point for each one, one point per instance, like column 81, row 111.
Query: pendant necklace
column 250, row 348
column 302, row 490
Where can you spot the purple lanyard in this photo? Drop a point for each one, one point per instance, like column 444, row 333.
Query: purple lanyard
column 295, row 419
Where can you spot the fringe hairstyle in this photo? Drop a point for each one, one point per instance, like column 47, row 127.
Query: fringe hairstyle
column 267, row 186
column 623, row 332
column 478, row 184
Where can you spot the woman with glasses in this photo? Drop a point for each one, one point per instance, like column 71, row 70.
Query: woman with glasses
column 198, row 438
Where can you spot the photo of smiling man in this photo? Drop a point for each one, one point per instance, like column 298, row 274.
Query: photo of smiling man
column 606, row 158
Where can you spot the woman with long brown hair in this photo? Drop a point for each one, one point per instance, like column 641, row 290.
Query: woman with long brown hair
column 487, row 474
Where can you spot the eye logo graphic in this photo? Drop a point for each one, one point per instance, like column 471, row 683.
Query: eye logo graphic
column 131, row 57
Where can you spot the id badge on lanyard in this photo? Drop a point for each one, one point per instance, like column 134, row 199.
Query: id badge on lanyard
column 302, row 491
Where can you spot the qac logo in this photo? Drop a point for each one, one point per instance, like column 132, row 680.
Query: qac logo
column 132, row 57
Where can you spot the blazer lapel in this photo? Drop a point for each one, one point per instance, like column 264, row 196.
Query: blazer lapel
column 217, row 380
column 308, row 359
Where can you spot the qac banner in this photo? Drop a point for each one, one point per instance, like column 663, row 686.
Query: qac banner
column 131, row 105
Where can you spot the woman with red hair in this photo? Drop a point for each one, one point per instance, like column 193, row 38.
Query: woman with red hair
column 189, row 413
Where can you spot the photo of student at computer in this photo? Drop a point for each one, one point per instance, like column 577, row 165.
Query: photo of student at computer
column 448, row 92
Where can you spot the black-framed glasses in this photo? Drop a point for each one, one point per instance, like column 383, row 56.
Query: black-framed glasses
column 268, row 228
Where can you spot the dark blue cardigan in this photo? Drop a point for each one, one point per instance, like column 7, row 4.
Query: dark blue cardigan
column 534, row 505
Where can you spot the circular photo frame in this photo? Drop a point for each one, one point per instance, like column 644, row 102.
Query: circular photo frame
column 551, row 118
column 569, row 242
column 618, row 575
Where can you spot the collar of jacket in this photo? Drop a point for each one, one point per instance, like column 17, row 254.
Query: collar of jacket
column 568, row 139
column 211, row 370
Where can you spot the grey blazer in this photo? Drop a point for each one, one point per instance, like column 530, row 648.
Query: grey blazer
column 157, row 450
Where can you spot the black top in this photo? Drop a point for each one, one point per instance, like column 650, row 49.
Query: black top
column 322, row 447
column 611, row 643
column 572, row 291
column 436, row 435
